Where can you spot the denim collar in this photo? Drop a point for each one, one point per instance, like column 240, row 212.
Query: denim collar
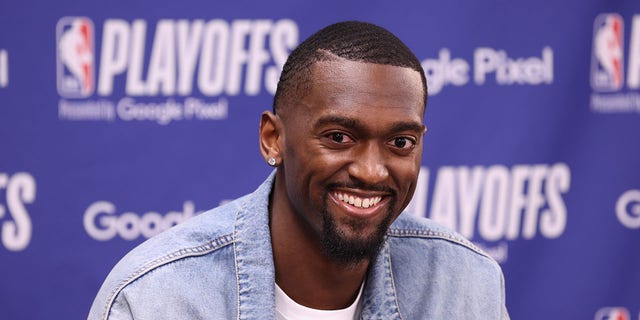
column 256, row 272
column 380, row 299
column 254, row 258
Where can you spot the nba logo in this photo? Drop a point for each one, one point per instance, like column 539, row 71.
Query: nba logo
column 75, row 57
column 612, row 313
column 607, row 59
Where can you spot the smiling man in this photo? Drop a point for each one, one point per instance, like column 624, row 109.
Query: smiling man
column 324, row 237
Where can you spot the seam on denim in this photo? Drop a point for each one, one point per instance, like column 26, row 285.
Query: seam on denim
column 393, row 284
column 200, row 250
column 433, row 234
column 505, row 312
column 235, row 256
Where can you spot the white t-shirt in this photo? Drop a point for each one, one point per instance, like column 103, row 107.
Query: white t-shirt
column 287, row 309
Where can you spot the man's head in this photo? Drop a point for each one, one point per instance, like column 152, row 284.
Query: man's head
column 347, row 137
column 351, row 40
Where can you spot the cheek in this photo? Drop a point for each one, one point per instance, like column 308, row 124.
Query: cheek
column 304, row 174
column 406, row 179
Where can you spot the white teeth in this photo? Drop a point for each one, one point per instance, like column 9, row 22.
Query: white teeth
column 357, row 201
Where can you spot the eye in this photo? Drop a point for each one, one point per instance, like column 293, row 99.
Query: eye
column 404, row 143
column 339, row 137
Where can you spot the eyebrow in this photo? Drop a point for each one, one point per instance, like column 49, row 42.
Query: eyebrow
column 408, row 126
column 359, row 126
column 339, row 120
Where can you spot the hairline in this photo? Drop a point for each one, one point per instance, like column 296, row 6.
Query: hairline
column 323, row 55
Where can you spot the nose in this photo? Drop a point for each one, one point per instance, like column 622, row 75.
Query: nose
column 369, row 165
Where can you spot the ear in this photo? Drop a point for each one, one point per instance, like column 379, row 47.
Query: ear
column 271, row 138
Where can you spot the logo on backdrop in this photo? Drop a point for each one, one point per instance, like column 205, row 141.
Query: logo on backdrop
column 4, row 68
column 496, row 204
column 612, row 313
column 610, row 94
column 102, row 223
column 20, row 190
column 488, row 64
column 179, row 70
column 606, row 61
column 75, row 58
column 628, row 209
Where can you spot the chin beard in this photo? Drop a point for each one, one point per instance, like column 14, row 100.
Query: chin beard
column 350, row 251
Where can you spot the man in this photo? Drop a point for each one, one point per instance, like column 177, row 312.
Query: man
column 322, row 237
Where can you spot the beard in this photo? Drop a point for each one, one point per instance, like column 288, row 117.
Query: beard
column 352, row 250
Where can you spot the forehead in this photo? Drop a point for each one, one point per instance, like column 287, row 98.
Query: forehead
column 361, row 89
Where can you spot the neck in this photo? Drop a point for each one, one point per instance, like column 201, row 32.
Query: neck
column 303, row 270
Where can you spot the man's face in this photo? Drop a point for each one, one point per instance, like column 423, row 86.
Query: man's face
column 352, row 150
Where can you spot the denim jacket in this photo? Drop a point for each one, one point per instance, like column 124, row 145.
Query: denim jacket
column 219, row 265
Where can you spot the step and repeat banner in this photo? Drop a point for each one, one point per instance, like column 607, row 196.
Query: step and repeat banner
column 121, row 119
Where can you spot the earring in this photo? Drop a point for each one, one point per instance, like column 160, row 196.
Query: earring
column 272, row 162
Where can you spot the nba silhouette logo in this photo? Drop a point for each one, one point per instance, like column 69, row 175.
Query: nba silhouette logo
column 75, row 57
column 612, row 313
column 607, row 59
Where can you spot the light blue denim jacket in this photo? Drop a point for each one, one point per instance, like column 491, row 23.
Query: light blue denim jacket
column 219, row 265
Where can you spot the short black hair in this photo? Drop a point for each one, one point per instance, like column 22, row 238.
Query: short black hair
column 351, row 40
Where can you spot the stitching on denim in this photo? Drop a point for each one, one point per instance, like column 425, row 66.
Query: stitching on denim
column 393, row 283
column 235, row 256
column 433, row 234
column 174, row 256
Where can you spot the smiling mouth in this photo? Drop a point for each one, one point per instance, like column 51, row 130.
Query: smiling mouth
column 358, row 202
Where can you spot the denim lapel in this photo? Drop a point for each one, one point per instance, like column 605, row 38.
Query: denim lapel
column 253, row 256
column 380, row 301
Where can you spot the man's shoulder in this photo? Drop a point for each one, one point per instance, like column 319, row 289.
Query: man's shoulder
column 201, row 236
column 421, row 232
column 437, row 266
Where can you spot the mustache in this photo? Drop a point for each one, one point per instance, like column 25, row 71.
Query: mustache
column 362, row 186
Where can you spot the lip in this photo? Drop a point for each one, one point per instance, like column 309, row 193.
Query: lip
column 361, row 212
